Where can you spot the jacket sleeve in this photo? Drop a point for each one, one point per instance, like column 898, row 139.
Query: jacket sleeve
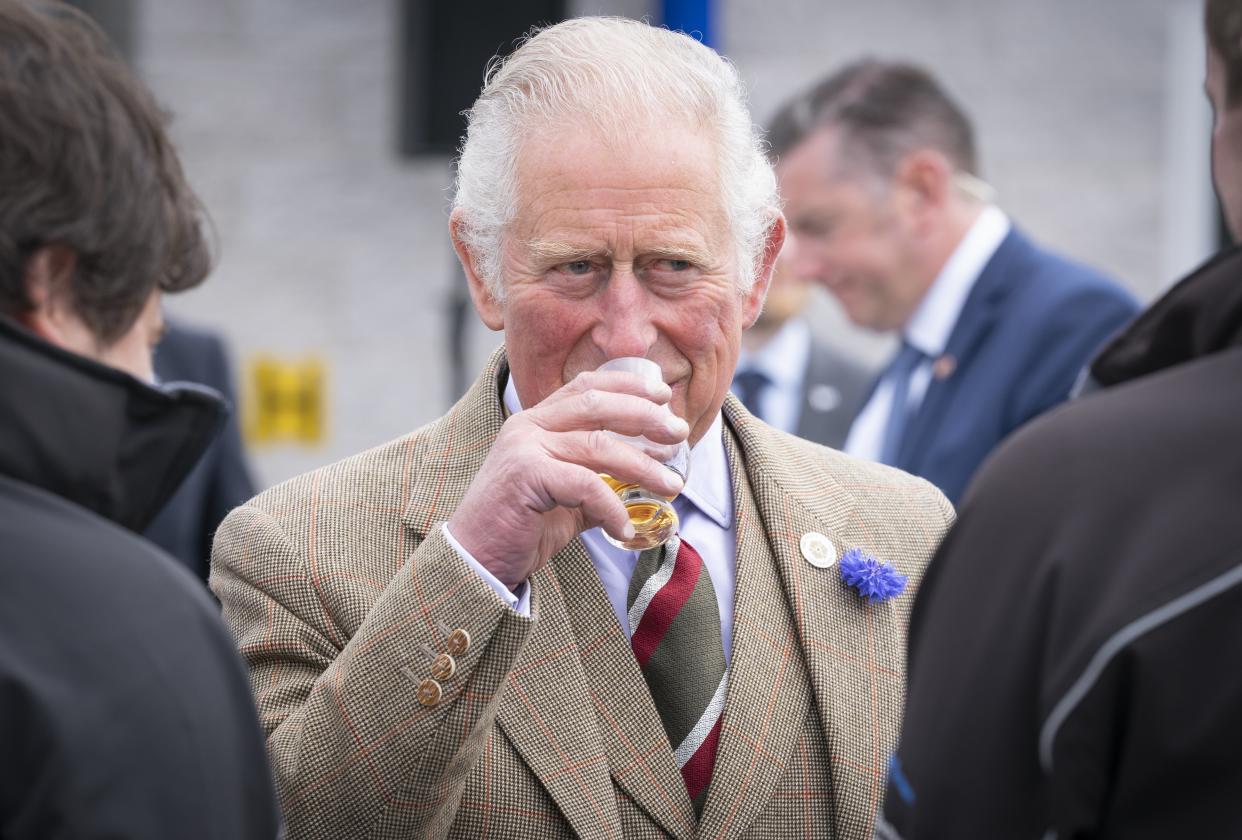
column 355, row 731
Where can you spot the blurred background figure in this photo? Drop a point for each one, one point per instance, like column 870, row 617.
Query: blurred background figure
column 220, row 481
column 792, row 380
column 1088, row 686
column 124, row 711
column 879, row 174
column 787, row 375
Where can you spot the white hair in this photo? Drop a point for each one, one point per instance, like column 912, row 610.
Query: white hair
column 613, row 72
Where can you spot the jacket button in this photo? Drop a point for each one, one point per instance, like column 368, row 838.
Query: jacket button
column 443, row 667
column 458, row 642
column 429, row 692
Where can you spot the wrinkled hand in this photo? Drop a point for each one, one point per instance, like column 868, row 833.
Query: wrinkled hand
column 539, row 486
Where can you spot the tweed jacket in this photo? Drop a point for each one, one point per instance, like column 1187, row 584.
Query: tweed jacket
column 340, row 589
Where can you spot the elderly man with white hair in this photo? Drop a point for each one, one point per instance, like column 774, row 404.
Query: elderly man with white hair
column 444, row 636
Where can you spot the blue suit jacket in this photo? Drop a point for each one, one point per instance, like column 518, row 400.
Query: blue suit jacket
column 1031, row 323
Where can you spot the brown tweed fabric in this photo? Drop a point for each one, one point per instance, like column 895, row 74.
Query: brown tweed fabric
column 337, row 583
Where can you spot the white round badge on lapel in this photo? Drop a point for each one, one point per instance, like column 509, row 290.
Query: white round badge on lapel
column 823, row 397
column 818, row 550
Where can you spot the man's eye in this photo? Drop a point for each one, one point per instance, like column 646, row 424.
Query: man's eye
column 577, row 267
column 676, row 265
column 814, row 229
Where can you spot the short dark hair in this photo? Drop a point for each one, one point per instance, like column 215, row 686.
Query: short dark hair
column 85, row 163
column 1222, row 19
column 885, row 110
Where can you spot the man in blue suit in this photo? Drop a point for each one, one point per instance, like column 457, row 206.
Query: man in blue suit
column 885, row 207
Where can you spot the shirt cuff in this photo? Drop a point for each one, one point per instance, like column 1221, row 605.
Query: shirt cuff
column 519, row 601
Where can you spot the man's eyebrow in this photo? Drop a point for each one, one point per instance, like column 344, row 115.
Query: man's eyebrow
column 557, row 252
column 682, row 251
column 552, row 250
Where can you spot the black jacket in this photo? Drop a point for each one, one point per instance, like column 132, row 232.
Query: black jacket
column 124, row 710
column 1076, row 648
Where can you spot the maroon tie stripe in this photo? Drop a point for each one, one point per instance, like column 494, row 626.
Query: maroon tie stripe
column 675, row 632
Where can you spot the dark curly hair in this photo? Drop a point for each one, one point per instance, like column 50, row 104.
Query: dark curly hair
column 85, row 163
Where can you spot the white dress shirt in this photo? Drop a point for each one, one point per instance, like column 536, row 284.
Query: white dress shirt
column 930, row 327
column 783, row 359
column 705, row 508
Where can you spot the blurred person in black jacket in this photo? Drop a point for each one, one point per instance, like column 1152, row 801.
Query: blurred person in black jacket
column 124, row 711
column 1075, row 668
column 220, row 481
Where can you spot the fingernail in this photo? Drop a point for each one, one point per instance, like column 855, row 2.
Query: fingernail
column 628, row 532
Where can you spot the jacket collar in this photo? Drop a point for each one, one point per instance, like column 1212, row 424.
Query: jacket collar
column 1199, row 316
column 94, row 435
column 456, row 445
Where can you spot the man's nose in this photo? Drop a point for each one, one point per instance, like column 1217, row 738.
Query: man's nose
column 626, row 326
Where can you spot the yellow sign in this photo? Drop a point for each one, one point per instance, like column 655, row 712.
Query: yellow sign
column 286, row 401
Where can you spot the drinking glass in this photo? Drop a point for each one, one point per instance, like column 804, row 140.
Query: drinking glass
column 652, row 515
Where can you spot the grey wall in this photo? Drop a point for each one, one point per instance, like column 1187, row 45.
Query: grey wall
column 331, row 246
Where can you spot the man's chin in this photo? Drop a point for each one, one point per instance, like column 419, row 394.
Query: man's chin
column 862, row 317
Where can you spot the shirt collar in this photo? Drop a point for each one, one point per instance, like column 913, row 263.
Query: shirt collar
column 708, row 487
column 783, row 357
column 932, row 323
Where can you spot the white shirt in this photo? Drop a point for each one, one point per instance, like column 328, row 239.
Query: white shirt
column 783, row 359
column 930, row 327
column 705, row 508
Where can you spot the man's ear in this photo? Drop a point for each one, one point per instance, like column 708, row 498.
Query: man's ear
column 772, row 244
column 47, row 277
column 488, row 307
column 924, row 185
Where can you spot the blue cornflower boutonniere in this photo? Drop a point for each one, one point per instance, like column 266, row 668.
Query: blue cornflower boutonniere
column 874, row 579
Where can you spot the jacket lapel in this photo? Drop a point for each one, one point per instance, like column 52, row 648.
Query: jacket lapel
column 456, row 445
column 853, row 652
column 548, row 711
column 769, row 696
column 976, row 320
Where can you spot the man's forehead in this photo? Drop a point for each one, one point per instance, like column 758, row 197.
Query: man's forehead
column 659, row 158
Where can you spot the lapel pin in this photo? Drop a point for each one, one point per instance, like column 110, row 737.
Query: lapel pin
column 823, row 397
column 874, row 579
column 817, row 550
column 943, row 367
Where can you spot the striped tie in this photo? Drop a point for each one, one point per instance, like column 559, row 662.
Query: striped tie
column 675, row 632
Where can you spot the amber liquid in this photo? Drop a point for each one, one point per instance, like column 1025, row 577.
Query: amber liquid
column 652, row 516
